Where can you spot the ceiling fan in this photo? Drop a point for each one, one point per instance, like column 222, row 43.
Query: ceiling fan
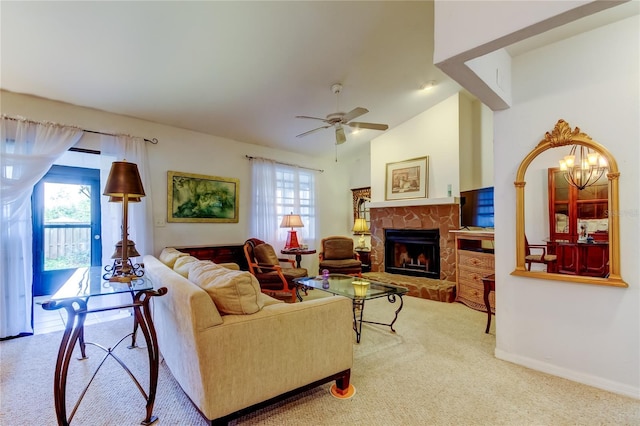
column 340, row 119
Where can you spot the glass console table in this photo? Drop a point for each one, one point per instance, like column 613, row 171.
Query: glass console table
column 74, row 297
column 358, row 290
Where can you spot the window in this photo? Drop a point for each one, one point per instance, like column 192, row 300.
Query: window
column 295, row 192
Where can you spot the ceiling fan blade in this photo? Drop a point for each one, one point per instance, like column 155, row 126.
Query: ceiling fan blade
column 311, row 118
column 340, row 136
column 311, row 131
column 356, row 112
column 372, row 126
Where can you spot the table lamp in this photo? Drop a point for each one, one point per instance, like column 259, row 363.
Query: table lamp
column 360, row 226
column 124, row 185
column 291, row 221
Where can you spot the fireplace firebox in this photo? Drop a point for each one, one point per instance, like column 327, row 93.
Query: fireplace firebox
column 414, row 252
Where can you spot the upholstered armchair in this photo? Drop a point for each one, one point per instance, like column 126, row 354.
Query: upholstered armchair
column 275, row 275
column 338, row 256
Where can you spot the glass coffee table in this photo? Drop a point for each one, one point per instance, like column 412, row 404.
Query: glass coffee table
column 358, row 290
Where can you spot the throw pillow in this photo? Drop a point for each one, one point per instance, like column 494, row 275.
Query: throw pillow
column 233, row 292
column 183, row 264
column 265, row 254
column 169, row 256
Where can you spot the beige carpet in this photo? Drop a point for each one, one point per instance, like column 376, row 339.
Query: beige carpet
column 438, row 369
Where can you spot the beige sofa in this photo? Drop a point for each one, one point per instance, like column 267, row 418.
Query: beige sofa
column 228, row 363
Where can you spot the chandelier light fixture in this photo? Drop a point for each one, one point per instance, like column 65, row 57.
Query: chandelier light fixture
column 583, row 166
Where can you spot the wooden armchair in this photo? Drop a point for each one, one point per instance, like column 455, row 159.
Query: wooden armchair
column 550, row 260
column 265, row 265
column 338, row 256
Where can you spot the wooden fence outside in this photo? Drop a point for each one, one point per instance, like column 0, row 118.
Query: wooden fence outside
column 70, row 246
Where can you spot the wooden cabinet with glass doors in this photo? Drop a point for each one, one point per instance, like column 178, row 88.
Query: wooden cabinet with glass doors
column 579, row 226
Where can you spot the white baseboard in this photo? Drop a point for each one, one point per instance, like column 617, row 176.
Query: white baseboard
column 576, row 376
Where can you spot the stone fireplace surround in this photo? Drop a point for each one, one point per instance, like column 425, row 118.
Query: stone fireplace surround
column 444, row 217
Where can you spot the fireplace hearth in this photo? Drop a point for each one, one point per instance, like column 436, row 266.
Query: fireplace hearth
column 414, row 252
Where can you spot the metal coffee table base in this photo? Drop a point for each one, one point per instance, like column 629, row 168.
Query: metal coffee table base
column 358, row 305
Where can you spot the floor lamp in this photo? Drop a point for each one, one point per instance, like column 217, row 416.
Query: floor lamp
column 124, row 185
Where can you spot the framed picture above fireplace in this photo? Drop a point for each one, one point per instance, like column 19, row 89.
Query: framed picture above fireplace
column 407, row 179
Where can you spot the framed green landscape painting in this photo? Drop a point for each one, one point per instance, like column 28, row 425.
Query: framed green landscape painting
column 201, row 198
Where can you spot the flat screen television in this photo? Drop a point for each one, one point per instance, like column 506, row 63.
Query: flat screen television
column 476, row 208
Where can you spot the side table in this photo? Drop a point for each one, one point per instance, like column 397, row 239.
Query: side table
column 489, row 283
column 298, row 253
column 365, row 258
column 74, row 296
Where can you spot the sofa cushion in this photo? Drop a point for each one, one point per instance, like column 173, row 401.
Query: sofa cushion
column 183, row 264
column 233, row 292
column 265, row 254
column 169, row 256
column 267, row 300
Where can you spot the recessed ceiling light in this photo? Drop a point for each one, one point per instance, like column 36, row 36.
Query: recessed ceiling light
column 428, row 85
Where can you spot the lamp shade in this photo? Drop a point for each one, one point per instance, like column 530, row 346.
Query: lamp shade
column 360, row 288
column 124, row 178
column 291, row 221
column 360, row 226
column 113, row 199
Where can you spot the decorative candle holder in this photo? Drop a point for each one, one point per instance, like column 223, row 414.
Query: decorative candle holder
column 360, row 288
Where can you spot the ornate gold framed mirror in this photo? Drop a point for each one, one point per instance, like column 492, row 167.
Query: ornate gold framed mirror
column 569, row 254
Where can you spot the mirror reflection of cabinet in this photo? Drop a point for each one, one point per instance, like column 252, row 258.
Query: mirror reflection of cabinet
column 572, row 211
column 574, row 215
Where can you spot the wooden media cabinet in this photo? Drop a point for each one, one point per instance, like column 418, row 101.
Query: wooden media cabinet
column 474, row 261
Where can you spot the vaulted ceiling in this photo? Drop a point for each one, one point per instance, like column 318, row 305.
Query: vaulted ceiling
column 240, row 70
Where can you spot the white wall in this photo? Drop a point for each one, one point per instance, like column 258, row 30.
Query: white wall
column 586, row 333
column 435, row 133
column 360, row 177
column 485, row 118
column 478, row 22
column 456, row 134
column 469, row 34
column 476, row 144
column 191, row 152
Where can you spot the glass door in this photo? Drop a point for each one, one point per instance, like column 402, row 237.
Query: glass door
column 66, row 226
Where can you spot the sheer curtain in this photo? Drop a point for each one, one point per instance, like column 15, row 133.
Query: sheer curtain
column 27, row 151
column 278, row 189
column 264, row 202
column 133, row 150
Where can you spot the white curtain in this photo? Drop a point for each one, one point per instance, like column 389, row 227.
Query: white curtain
column 27, row 151
column 132, row 150
column 264, row 203
column 268, row 192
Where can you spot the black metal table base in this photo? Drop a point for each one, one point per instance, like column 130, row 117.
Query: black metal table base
column 74, row 332
column 358, row 306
